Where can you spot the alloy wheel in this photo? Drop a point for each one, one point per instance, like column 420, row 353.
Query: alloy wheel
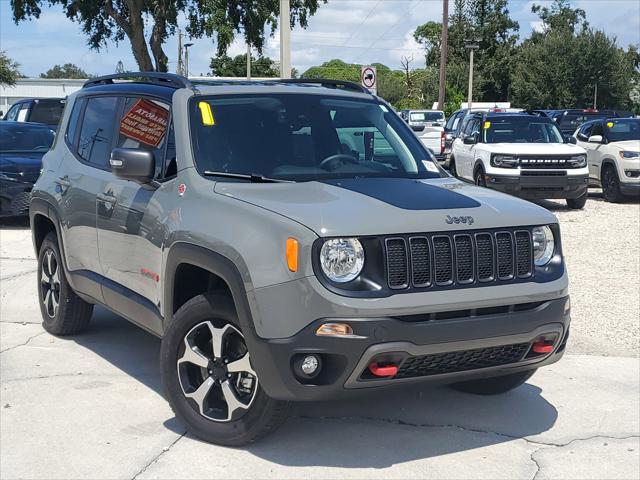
column 215, row 373
column 50, row 283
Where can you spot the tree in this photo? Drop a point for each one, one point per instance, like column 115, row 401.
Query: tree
column 117, row 20
column 429, row 35
column 226, row 66
column 560, row 16
column 8, row 70
column 68, row 70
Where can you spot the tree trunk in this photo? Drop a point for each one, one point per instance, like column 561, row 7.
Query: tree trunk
column 158, row 36
column 134, row 29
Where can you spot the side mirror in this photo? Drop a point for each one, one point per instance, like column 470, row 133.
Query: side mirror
column 595, row 139
column 469, row 140
column 417, row 128
column 133, row 164
column 571, row 140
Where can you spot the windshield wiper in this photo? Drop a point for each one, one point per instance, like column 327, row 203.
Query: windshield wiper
column 253, row 178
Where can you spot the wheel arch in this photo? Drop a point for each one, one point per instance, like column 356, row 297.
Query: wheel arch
column 478, row 164
column 606, row 163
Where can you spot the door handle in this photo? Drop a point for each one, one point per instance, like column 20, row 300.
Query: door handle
column 105, row 197
column 63, row 182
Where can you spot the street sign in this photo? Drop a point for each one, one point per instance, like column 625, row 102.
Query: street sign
column 369, row 78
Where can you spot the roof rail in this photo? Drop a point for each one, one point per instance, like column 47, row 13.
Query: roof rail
column 325, row 83
column 166, row 79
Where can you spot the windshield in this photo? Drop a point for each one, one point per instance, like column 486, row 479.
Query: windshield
column 520, row 130
column 426, row 116
column 25, row 138
column 305, row 137
column 624, row 129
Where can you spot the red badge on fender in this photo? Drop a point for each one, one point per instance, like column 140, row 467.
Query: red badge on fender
column 181, row 189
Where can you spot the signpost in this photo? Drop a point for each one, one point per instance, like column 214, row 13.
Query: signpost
column 369, row 78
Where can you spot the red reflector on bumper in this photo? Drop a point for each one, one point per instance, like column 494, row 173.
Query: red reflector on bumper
column 383, row 371
column 542, row 347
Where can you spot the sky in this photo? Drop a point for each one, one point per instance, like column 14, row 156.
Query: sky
column 356, row 31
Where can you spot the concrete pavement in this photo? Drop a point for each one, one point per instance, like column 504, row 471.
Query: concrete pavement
column 91, row 406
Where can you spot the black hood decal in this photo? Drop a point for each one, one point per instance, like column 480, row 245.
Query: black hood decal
column 406, row 193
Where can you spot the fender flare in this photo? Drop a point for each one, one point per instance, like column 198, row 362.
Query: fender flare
column 478, row 164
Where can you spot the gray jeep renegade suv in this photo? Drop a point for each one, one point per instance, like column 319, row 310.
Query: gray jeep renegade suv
column 287, row 240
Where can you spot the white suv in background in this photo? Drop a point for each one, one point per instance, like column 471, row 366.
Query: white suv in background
column 613, row 154
column 429, row 127
column 522, row 154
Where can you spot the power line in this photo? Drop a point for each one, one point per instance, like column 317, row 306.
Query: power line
column 362, row 22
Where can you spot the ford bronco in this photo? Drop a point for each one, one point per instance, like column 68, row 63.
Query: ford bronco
column 325, row 254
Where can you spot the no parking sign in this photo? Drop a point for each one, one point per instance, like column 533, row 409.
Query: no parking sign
column 369, row 78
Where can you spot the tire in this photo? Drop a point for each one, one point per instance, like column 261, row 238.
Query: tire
column 611, row 185
column 63, row 311
column 577, row 203
column 494, row 385
column 452, row 168
column 197, row 393
column 478, row 178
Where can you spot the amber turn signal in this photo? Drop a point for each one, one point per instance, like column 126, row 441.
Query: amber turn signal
column 334, row 330
column 292, row 254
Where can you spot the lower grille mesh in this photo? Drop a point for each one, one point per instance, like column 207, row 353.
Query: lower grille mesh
column 450, row 362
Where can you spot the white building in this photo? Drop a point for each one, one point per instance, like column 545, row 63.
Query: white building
column 37, row 88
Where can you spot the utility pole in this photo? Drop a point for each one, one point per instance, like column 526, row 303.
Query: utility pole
column 248, row 61
column 595, row 98
column 443, row 53
column 471, row 46
column 285, row 39
column 180, row 67
column 186, row 58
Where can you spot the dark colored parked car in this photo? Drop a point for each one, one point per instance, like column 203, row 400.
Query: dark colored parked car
column 22, row 146
column 37, row 110
column 570, row 119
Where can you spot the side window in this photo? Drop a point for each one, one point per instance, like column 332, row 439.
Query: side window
column 597, row 130
column 72, row 125
column 143, row 125
column 12, row 114
column 585, row 132
column 96, row 134
column 22, row 113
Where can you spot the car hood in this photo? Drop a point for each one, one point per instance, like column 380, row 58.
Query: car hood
column 21, row 162
column 630, row 145
column 374, row 206
column 533, row 148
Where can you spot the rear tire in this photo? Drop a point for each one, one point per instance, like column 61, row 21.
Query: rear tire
column 214, row 416
column 611, row 185
column 63, row 311
column 494, row 385
column 578, row 203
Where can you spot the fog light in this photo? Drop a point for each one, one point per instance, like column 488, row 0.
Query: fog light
column 309, row 365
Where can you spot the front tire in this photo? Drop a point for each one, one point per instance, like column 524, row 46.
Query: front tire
column 578, row 203
column 452, row 168
column 479, row 178
column 494, row 385
column 611, row 185
column 208, row 377
column 63, row 311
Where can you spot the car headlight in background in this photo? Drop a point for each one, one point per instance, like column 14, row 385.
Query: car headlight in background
column 342, row 259
column 543, row 245
column 504, row 161
column 629, row 154
column 577, row 161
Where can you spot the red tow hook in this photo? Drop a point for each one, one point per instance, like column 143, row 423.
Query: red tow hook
column 383, row 370
column 542, row 346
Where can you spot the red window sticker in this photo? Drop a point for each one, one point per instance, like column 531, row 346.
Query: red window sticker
column 145, row 122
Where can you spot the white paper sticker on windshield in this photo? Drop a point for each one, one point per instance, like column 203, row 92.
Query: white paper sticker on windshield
column 430, row 166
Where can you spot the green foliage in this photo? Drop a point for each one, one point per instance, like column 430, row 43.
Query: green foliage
column 68, row 70
column 117, row 20
column 226, row 66
column 429, row 35
column 8, row 70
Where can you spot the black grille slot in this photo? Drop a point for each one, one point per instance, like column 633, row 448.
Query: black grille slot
column 484, row 253
column 426, row 365
column 397, row 264
column 524, row 254
column 420, row 261
column 504, row 248
column 443, row 260
column 464, row 258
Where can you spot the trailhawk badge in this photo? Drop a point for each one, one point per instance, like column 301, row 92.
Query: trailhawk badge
column 467, row 219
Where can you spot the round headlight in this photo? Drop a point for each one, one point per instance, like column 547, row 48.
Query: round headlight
column 342, row 259
column 543, row 245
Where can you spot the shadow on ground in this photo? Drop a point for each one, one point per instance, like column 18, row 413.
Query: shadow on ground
column 380, row 429
column 594, row 196
column 15, row 223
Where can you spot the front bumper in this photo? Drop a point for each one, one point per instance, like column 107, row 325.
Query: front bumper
column 538, row 184
column 443, row 339
column 631, row 189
